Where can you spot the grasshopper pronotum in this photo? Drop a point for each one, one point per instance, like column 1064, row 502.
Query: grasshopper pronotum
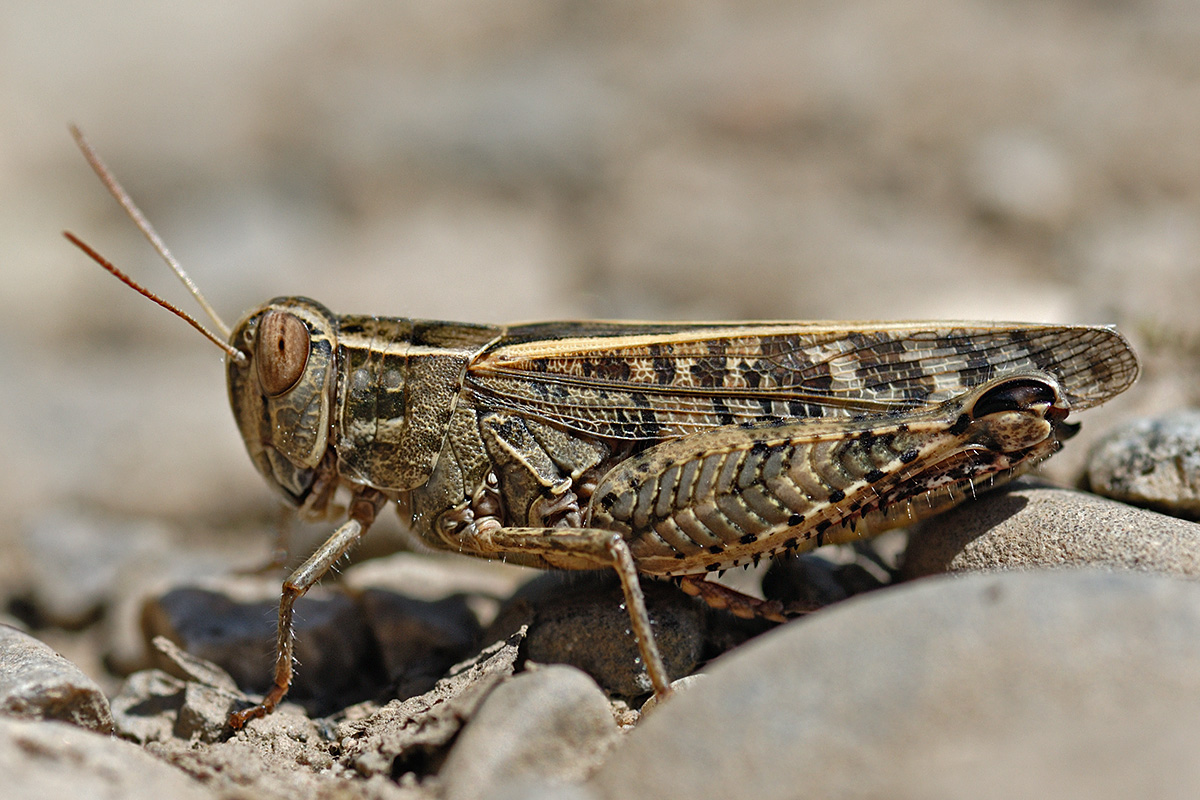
column 667, row 449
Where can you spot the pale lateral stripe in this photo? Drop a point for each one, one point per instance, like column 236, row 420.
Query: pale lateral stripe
column 936, row 329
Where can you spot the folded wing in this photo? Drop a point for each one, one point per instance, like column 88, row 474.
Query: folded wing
column 651, row 382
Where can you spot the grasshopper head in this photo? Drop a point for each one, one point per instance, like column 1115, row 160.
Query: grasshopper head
column 279, row 361
column 281, row 390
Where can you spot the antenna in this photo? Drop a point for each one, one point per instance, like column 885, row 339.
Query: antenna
column 234, row 353
column 143, row 224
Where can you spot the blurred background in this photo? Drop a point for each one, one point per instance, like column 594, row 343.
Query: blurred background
column 541, row 159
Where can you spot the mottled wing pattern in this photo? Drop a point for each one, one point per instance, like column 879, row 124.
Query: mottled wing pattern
column 651, row 382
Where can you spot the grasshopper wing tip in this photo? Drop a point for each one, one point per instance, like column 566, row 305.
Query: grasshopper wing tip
column 1107, row 367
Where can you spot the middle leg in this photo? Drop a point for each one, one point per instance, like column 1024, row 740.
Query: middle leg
column 581, row 547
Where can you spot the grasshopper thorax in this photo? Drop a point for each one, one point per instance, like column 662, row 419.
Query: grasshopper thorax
column 281, row 390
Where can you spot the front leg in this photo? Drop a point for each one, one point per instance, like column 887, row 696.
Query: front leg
column 575, row 547
column 363, row 507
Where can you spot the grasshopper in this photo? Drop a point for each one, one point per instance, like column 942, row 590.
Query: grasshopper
column 661, row 449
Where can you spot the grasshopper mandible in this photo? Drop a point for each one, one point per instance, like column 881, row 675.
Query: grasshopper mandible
column 666, row 449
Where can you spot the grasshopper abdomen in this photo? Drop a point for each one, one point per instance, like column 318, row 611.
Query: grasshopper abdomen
column 722, row 499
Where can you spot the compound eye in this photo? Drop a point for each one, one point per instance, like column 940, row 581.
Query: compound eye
column 1014, row 395
column 280, row 351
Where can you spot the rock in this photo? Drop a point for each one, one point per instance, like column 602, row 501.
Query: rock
column 204, row 714
column 235, row 629
column 1153, row 463
column 407, row 736
column 193, row 703
column 283, row 755
column 38, row 683
column 183, row 664
column 684, row 684
column 1066, row 684
column 580, row 619
column 426, row 610
column 550, row 724
column 1028, row 525
column 76, row 562
column 186, row 564
column 83, row 568
column 52, row 759
column 146, row 707
column 809, row 581
column 436, row 576
column 542, row 790
column 418, row 640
